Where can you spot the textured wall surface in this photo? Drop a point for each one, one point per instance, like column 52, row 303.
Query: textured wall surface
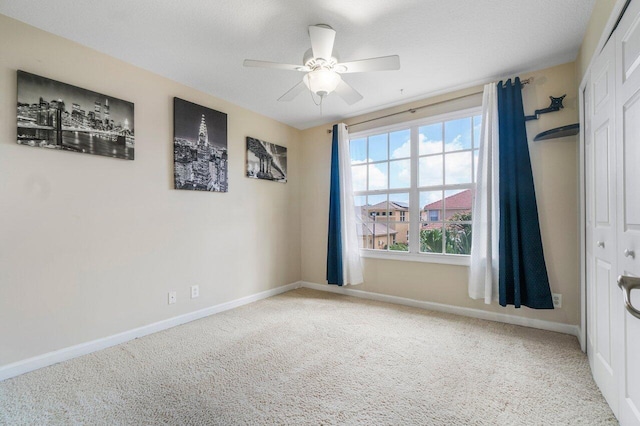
column 555, row 173
column 90, row 245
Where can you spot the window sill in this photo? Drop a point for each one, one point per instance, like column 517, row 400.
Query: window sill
column 446, row 259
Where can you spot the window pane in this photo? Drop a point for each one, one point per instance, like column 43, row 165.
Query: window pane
column 457, row 168
column 458, row 204
column 358, row 148
column 475, row 165
column 431, row 206
column 399, row 207
column 378, row 176
column 457, row 134
column 430, row 139
column 376, row 205
column 458, row 237
column 359, row 204
column 399, row 236
column 430, row 170
column 477, row 126
column 431, row 238
column 378, row 147
column 365, row 236
column 448, row 156
column 400, row 174
column 400, row 144
column 378, row 236
column 400, row 200
column 359, row 178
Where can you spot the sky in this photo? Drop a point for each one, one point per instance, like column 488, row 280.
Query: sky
column 439, row 147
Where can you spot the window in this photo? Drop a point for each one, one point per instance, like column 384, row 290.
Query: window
column 425, row 171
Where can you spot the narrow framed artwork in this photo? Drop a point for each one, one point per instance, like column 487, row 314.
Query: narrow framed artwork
column 266, row 160
column 60, row 116
column 199, row 147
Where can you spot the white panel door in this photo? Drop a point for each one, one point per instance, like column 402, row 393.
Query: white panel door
column 628, row 208
column 602, row 290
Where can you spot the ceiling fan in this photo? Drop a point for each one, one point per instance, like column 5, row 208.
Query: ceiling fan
column 323, row 69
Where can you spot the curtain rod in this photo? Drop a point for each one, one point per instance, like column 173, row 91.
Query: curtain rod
column 413, row 110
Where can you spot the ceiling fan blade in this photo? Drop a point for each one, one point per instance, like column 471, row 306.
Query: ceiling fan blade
column 293, row 92
column 322, row 41
column 348, row 93
column 274, row 65
column 384, row 63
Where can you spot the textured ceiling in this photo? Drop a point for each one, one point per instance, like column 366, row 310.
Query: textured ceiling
column 443, row 44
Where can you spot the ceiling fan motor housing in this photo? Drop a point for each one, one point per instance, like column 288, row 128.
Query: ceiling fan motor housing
column 314, row 63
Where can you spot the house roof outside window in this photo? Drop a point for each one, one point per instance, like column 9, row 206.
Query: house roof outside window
column 460, row 201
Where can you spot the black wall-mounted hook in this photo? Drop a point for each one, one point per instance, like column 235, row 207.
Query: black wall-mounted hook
column 556, row 105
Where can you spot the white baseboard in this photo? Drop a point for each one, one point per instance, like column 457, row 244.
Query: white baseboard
column 20, row 367
column 558, row 327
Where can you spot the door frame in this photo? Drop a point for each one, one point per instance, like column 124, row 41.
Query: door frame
column 618, row 7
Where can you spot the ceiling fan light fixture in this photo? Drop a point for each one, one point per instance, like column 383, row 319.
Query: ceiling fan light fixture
column 322, row 68
column 322, row 81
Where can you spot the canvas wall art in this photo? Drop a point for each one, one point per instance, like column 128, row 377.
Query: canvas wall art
column 266, row 160
column 60, row 116
column 199, row 147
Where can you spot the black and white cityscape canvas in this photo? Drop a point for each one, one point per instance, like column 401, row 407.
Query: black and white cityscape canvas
column 60, row 116
column 266, row 160
column 199, row 147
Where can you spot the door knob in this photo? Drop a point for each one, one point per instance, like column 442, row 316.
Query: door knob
column 627, row 284
column 600, row 244
column 630, row 253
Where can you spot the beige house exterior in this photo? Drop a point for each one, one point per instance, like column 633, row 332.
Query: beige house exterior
column 384, row 224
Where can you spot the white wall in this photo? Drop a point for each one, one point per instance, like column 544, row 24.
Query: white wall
column 90, row 246
column 555, row 172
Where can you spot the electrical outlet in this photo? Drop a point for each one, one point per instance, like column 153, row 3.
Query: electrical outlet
column 172, row 297
column 557, row 300
column 195, row 291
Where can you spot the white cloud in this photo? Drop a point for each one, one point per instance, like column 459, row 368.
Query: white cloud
column 377, row 177
column 359, row 177
column 458, row 168
column 428, row 146
column 425, row 147
column 430, row 169
column 400, row 174
column 402, row 151
column 455, row 144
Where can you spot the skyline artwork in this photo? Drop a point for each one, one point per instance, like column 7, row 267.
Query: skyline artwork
column 56, row 115
column 199, row 147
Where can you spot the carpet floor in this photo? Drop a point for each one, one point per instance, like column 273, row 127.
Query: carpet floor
column 309, row 357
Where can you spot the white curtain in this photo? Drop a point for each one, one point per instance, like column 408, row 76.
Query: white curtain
column 352, row 268
column 483, row 273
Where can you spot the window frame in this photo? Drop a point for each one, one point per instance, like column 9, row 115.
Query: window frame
column 414, row 190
